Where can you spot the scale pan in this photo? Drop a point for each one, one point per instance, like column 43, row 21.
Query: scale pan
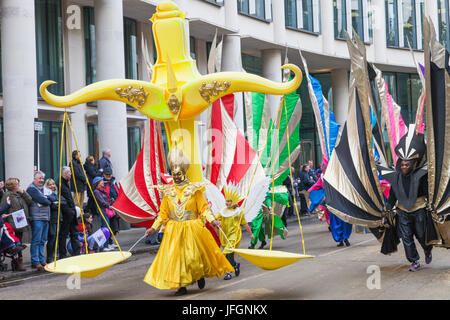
column 270, row 259
column 88, row 265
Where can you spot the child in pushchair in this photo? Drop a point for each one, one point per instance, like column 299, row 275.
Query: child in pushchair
column 10, row 245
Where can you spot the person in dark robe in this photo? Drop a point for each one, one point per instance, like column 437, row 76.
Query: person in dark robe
column 407, row 196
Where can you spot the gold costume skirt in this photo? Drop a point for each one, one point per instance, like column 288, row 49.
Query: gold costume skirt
column 188, row 252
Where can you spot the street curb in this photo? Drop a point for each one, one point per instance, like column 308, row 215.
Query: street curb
column 148, row 249
column 17, row 275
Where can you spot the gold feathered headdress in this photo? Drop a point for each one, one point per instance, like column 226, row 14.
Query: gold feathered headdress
column 178, row 161
column 231, row 193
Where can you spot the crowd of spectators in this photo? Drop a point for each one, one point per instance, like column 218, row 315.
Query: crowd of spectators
column 44, row 200
column 302, row 182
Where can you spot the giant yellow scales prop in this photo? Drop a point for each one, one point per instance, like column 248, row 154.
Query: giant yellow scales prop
column 177, row 94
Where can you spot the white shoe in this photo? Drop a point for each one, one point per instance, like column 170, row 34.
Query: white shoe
column 108, row 249
column 285, row 233
column 114, row 246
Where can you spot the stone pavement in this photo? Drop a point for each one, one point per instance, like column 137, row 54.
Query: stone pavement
column 125, row 238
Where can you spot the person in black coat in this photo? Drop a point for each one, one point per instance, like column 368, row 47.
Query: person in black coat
column 306, row 179
column 92, row 171
column 306, row 182
column 69, row 214
column 80, row 179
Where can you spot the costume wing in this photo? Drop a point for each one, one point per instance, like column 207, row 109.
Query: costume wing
column 215, row 197
column 352, row 186
column 256, row 198
column 438, row 127
column 437, row 78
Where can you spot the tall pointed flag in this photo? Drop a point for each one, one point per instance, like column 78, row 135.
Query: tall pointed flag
column 272, row 144
column 327, row 127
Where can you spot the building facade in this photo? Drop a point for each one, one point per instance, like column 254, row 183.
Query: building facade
column 77, row 42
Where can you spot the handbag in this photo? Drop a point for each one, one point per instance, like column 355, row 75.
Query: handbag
column 110, row 213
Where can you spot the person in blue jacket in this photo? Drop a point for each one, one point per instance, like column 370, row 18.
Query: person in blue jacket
column 40, row 218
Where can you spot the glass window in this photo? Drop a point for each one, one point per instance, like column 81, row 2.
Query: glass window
column 392, row 23
column 93, row 147
column 290, row 12
column 369, row 19
column 134, row 145
column 403, row 98
column 304, row 14
column 357, row 18
column 409, row 23
column 243, row 6
column 252, row 64
column 1, row 80
column 208, row 48
column 307, row 12
column 404, row 23
column 340, row 18
column 259, row 9
column 192, row 47
column 391, row 83
column 130, row 46
column 414, row 87
column 444, row 19
column 405, row 89
column 2, row 152
column 49, row 56
column 219, row 2
column 89, row 44
column 49, row 148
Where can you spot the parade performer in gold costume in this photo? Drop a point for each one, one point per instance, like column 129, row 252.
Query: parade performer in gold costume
column 188, row 252
column 231, row 218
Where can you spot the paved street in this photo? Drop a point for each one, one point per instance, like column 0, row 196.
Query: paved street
column 334, row 273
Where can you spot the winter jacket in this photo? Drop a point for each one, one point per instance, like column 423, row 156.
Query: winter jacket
column 306, row 181
column 18, row 202
column 104, row 163
column 53, row 197
column 40, row 208
column 78, row 175
column 111, row 189
column 66, row 194
column 102, row 199
column 91, row 171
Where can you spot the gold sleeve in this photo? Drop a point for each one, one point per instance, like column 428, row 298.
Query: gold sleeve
column 163, row 215
column 242, row 217
column 203, row 207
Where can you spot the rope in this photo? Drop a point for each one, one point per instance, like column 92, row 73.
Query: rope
column 76, row 190
column 276, row 149
column 229, row 243
column 259, row 158
column 90, row 188
column 59, row 187
column 292, row 181
column 129, row 250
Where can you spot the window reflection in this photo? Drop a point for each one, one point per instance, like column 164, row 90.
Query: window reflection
column 409, row 23
column 340, row 18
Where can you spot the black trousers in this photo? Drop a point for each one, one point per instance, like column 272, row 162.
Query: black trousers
column 303, row 205
column 410, row 225
column 230, row 258
column 69, row 229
